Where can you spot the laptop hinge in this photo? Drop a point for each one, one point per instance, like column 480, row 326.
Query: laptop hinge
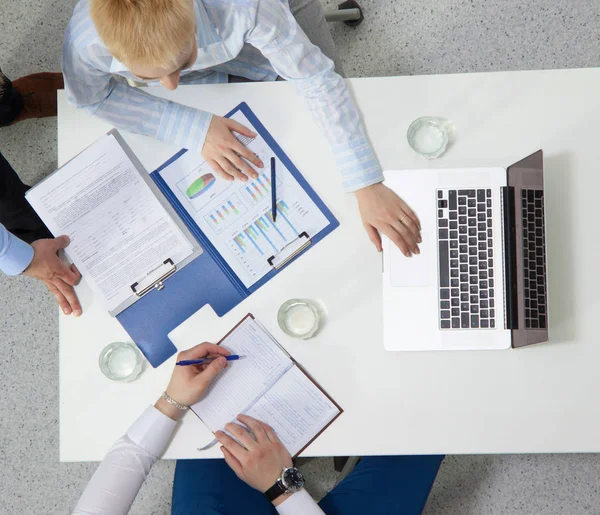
column 510, row 258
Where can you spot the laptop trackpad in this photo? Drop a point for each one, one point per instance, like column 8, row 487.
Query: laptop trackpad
column 419, row 270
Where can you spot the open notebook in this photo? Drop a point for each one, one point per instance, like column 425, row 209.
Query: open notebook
column 268, row 385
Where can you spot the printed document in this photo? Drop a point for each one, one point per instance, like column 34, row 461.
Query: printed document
column 119, row 230
column 268, row 385
column 236, row 216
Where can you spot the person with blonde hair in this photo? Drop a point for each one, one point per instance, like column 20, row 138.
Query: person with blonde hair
column 170, row 42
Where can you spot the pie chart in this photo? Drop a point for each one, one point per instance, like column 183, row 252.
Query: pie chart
column 200, row 186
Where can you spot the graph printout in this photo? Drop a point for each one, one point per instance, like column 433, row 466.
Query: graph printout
column 236, row 216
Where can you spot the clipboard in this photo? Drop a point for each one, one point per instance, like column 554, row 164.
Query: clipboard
column 170, row 299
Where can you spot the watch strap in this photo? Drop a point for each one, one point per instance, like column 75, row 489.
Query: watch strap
column 275, row 491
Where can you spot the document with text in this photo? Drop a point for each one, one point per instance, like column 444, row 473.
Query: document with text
column 269, row 385
column 120, row 232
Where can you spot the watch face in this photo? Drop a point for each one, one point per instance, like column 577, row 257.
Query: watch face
column 292, row 479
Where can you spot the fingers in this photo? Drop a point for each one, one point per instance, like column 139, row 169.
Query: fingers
column 246, row 153
column 412, row 227
column 60, row 298
column 67, row 274
column 219, row 171
column 231, row 445
column 233, row 462
column 230, row 169
column 374, row 236
column 406, row 235
column 69, row 294
column 411, row 221
column 397, row 239
column 203, row 350
column 210, row 372
column 242, row 434
column 61, row 242
column 240, row 164
column 239, row 128
column 255, row 426
column 270, row 432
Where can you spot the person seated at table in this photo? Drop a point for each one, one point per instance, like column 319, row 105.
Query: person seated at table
column 26, row 245
column 213, row 41
column 377, row 485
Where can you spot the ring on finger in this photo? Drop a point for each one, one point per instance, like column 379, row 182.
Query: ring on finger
column 403, row 217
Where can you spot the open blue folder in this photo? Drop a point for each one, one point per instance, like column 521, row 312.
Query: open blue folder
column 208, row 279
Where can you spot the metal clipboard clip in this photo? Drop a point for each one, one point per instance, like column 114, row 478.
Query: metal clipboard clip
column 154, row 282
column 290, row 251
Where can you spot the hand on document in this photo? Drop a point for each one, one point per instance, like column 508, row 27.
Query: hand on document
column 223, row 152
column 384, row 211
column 189, row 383
column 55, row 274
column 261, row 457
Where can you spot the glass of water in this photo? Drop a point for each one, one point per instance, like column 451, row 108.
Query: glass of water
column 121, row 361
column 429, row 136
column 299, row 318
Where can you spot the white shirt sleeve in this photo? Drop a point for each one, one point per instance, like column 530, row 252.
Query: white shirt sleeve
column 300, row 503
column 119, row 477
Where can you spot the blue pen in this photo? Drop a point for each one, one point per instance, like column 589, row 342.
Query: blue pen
column 204, row 361
column 273, row 191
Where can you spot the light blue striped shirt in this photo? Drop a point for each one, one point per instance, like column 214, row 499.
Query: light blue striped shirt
column 256, row 39
column 15, row 254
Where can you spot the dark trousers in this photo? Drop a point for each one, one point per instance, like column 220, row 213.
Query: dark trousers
column 378, row 485
column 15, row 212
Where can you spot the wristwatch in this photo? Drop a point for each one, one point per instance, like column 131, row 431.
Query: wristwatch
column 291, row 481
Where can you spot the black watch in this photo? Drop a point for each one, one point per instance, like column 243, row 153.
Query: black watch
column 291, row 481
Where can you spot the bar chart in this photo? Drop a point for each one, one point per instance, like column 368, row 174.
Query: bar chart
column 256, row 190
column 263, row 238
column 225, row 213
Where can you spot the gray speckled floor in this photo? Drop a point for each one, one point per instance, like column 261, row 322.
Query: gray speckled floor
column 407, row 37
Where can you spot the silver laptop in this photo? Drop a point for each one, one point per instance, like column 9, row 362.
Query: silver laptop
column 480, row 280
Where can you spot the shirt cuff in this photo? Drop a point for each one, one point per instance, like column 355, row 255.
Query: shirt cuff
column 16, row 257
column 358, row 164
column 300, row 503
column 152, row 431
column 184, row 126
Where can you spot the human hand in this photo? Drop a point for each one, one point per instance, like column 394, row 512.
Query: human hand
column 223, row 152
column 188, row 383
column 262, row 458
column 58, row 277
column 384, row 211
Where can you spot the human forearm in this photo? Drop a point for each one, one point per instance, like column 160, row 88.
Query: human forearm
column 328, row 98
column 119, row 477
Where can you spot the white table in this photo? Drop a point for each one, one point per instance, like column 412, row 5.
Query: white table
column 538, row 399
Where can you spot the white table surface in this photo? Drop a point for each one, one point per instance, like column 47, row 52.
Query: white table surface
column 538, row 399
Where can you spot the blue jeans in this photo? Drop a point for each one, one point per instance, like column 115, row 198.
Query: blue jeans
column 378, row 485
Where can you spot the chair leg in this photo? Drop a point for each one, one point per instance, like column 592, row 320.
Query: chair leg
column 349, row 12
column 351, row 462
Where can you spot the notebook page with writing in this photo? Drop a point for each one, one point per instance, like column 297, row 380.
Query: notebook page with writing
column 296, row 409
column 245, row 380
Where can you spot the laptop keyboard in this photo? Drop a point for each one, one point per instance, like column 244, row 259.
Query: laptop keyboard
column 534, row 259
column 466, row 259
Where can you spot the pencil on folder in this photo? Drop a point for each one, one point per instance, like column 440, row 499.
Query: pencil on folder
column 273, row 191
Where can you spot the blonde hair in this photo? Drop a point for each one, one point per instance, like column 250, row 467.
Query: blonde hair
column 145, row 32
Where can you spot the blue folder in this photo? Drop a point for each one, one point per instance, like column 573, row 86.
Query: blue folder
column 208, row 279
